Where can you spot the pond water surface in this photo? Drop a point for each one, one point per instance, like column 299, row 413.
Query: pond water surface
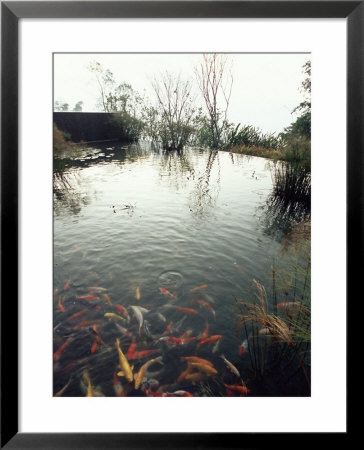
column 129, row 220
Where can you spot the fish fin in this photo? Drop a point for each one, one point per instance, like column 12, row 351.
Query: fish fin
column 131, row 368
column 120, row 374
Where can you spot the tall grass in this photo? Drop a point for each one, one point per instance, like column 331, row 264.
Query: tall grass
column 278, row 325
column 250, row 136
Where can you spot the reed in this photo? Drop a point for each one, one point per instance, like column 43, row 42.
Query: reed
column 278, row 326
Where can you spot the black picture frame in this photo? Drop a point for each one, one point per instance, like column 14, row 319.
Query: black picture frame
column 11, row 12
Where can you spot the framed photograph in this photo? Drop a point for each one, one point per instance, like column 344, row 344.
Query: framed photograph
column 161, row 164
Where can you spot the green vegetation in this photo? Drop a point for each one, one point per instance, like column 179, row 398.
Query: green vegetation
column 61, row 140
column 173, row 119
column 277, row 327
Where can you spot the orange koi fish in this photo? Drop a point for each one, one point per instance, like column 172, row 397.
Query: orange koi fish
column 143, row 354
column 87, row 297
column 123, row 311
column 79, row 314
column 189, row 311
column 205, row 332
column 131, row 350
column 61, row 349
column 168, row 329
column 86, row 323
column 237, row 388
column 165, row 292
column 55, row 292
column 60, row 306
column 184, row 374
column 172, row 339
column 94, row 346
column 67, row 285
column 196, row 376
column 196, row 359
column 210, row 339
column 118, row 388
column 207, row 306
column 198, row 288
column 107, row 298
column 157, row 394
column 205, row 368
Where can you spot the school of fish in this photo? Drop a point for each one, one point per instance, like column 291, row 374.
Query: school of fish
column 168, row 350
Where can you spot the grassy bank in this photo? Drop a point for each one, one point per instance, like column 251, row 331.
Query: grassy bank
column 296, row 151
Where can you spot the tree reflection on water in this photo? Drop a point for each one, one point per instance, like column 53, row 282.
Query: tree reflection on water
column 290, row 200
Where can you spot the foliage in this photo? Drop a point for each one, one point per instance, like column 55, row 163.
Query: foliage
column 61, row 140
column 277, row 327
column 302, row 125
column 174, row 113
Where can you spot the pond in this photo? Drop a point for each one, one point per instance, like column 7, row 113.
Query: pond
column 152, row 251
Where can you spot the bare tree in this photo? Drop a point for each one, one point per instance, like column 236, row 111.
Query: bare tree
column 215, row 80
column 176, row 106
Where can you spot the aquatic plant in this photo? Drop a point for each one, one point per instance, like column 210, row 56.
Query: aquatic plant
column 278, row 328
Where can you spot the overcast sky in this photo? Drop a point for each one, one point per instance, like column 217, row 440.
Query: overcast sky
column 266, row 87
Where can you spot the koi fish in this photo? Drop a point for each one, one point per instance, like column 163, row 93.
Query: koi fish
column 196, row 359
column 61, row 349
column 205, row 368
column 89, row 388
column 230, row 366
column 143, row 354
column 189, row 311
column 174, row 340
column 168, row 329
column 210, row 339
column 94, row 346
column 123, row 311
column 87, row 297
column 237, row 388
column 196, row 376
column 107, row 298
column 207, row 306
column 138, row 315
column 97, row 289
column 140, row 375
column 118, row 388
column 97, row 342
column 184, row 374
column 157, row 394
column 287, row 304
column 114, row 316
column 131, row 350
column 122, row 329
column 60, row 392
column 198, row 288
column 67, row 285
column 78, row 314
column 60, row 306
column 137, row 293
column 182, row 394
column 243, row 347
column 86, row 323
column 55, row 292
column 208, row 297
column 126, row 370
column 165, row 292
column 205, row 332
